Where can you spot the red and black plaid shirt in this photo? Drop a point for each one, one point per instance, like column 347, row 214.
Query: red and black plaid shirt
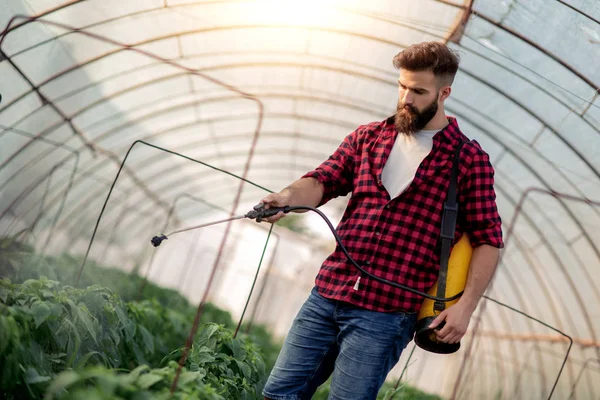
column 398, row 239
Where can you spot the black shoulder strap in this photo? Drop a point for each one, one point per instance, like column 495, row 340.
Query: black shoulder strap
column 448, row 228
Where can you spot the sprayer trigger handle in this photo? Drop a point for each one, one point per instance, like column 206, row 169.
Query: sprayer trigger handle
column 440, row 326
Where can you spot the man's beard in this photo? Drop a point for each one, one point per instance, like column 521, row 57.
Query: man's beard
column 409, row 120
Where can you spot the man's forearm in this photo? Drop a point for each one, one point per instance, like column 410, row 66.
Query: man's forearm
column 305, row 192
column 481, row 270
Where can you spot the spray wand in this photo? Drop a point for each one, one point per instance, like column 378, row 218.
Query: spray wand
column 259, row 212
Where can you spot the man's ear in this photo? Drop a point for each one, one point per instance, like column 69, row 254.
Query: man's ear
column 444, row 93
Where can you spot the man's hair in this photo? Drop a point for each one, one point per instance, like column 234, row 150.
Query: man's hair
column 429, row 56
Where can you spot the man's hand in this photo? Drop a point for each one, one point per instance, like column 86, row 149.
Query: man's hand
column 280, row 199
column 303, row 192
column 457, row 319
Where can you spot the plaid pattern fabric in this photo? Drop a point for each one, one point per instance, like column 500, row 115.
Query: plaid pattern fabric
column 398, row 239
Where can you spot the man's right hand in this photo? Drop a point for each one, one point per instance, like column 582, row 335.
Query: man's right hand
column 280, row 199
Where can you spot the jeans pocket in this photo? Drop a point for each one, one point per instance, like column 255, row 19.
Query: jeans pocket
column 406, row 327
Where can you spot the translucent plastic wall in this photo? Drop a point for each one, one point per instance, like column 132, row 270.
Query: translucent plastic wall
column 198, row 96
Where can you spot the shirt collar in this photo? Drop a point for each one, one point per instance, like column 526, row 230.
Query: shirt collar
column 449, row 135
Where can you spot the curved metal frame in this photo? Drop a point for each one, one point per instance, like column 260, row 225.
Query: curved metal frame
column 87, row 143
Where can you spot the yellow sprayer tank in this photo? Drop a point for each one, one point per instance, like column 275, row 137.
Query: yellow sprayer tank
column 458, row 268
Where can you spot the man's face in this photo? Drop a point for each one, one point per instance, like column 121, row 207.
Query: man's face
column 418, row 95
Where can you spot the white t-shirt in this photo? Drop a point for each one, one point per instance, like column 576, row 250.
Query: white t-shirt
column 404, row 160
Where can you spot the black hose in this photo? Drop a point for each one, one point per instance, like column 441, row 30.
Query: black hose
column 268, row 212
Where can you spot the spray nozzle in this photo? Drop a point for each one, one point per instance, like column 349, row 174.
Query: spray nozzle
column 259, row 212
column 157, row 240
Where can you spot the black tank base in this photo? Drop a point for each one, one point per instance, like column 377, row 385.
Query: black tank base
column 425, row 338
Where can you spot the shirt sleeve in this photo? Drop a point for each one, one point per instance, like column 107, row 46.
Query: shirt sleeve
column 483, row 223
column 337, row 172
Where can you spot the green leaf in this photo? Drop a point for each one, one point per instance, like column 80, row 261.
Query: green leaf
column 81, row 363
column 136, row 372
column 41, row 312
column 57, row 358
column 83, row 316
column 187, row 376
column 32, row 376
column 127, row 324
column 62, row 382
column 3, row 294
column 148, row 339
column 245, row 368
column 77, row 343
column 236, row 348
column 205, row 355
column 147, row 380
column 211, row 330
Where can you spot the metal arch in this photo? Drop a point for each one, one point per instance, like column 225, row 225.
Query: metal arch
column 538, row 118
column 200, row 143
column 394, row 22
column 266, row 134
column 521, row 300
column 541, row 282
column 219, row 67
column 166, row 61
column 278, row 115
column 369, row 67
column 574, row 218
column 176, row 185
column 150, row 160
column 242, row 180
column 578, row 11
column 521, row 37
column 544, row 285
column 541, row 180
column 539, row 48
column 268, row 173
column 583, row 368
column 540, row 88
column 476, row 78
column 512, row 224
column 561, row 265
column 468, row 10
column 197, row 102
column 480, row 128
column 563, row 141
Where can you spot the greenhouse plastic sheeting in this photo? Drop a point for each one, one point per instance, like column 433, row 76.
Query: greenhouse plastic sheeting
column 222, row 101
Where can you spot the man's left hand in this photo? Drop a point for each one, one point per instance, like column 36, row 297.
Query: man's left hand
column 457, row 319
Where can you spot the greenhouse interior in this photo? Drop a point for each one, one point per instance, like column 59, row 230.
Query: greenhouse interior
column 117, row 126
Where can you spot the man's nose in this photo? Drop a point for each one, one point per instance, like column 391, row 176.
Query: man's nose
column 407, row 99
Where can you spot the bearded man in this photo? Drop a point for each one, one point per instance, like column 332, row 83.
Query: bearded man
column 352, row 327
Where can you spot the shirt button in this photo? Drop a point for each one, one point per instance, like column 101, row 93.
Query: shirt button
column 367, row 262
column 387, row 206
column 377, row 233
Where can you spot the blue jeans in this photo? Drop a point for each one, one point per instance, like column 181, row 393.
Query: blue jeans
column 359, row 347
